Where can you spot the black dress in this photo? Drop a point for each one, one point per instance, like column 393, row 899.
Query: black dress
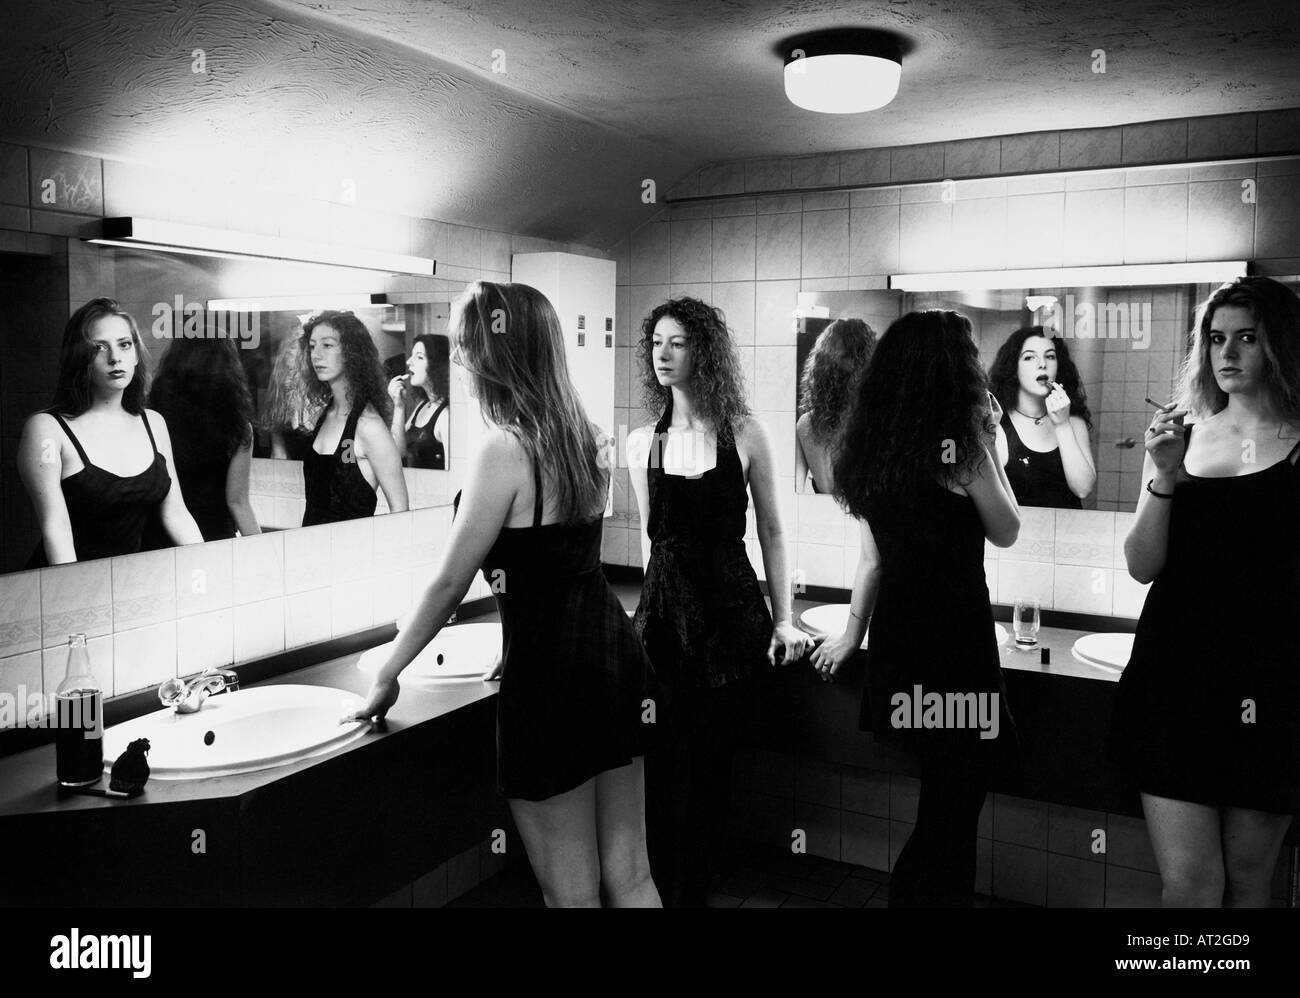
column 108, row 513
column 333, row 484
column 1036, row 477
column 575, row 680
column 425, row 449
column 701, row 616
column 932, row 625
column 1217, row 635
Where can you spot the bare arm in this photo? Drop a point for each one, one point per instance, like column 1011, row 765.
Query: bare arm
column 1076, row 456
column 172, row 513
column 398, row 429
column 1147, row 542
column 767, row 513
column 638, row 444
column 800, row 461
column 237, row 477
column 831, row 655
column 995, row 501
column 40, row 465
column 376, row 445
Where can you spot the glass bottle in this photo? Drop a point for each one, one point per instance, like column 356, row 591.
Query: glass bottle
column 79, row 735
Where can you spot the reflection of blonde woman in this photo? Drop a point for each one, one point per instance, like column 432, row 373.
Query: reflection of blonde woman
column 96, row 462
column 574, row 677
column 841, row 351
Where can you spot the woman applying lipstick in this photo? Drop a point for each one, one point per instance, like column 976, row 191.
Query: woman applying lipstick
column 421, row 436
column 1043, row 437
column 1207, row 723
column 702, row 616
column 95, row 475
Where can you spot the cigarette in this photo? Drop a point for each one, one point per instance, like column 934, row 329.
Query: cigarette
column 1158, row 405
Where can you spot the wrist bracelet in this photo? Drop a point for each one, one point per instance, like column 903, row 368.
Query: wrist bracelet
column 1158, row 495
column 852, row 614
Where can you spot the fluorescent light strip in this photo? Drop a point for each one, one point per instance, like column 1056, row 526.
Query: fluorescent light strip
column 291, row 303
column 1213, row 272
column 172, row 237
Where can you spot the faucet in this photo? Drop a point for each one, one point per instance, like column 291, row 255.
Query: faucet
column 187, row 695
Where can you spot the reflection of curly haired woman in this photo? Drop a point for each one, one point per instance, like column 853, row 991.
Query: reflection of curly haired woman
column 841, row 351
column 702, row 615
column 1043, row 437
column 352, row 450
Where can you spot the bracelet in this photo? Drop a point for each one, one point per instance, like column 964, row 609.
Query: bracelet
column 852, row 614
column 1158, row 495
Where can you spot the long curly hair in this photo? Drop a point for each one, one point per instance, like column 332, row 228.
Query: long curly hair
column 202, row 392
column 841, row 351
column 915, row 413
column 1276, row 308
column 72, row 394
column 1004, row 375
column 511, row 343
column 437, row 351
column 361, row 365
column 716, row 386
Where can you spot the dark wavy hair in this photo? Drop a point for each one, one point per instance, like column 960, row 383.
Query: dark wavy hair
column 202, row 392
column 437, row 349
column 361, row 365
column 915, row 413
column 1276, row 308
column 511, row 343
column 842, row 350
column 1004, row 377
column 72, row 395
column 716, row 386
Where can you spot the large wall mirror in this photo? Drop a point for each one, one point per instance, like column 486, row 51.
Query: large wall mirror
column 228, row 349
column 1108, row 350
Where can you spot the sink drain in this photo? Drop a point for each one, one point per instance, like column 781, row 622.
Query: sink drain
column 209, row 738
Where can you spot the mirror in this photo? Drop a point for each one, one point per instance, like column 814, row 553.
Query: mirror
column 1112, row 348
column 214, row 372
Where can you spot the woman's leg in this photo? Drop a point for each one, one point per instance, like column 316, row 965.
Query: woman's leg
column 620, row 832
column 1185, row 838
column 936, row 869
column 560, row 837
column 1251, row 843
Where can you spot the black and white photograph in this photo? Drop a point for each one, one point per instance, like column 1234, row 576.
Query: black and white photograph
column 651, row 454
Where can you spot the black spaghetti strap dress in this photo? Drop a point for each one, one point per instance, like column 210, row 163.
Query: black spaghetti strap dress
column 575, row 681
column 1036, row 477
column 424, row 448
column 1208, row 707
column 333, row 484
column 108, row 512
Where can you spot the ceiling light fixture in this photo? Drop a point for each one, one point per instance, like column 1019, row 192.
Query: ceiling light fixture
column 843, row 70
column 195, row 240
column 1210, row 272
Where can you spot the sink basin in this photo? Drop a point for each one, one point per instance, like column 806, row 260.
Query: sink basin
column 461, row 653
column 240, row 732
column 832, row 619
column 1105, row 651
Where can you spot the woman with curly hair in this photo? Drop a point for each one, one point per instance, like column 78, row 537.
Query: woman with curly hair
column 570, row 732
column 841, row 351
column 351, row 449
column 421, row 436
column 702, row 616
column 915, row 467
column 1207, row 723
column 202, row 392
column 1043, row 437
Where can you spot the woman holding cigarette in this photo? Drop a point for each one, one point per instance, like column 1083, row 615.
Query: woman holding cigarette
column 1208, row 719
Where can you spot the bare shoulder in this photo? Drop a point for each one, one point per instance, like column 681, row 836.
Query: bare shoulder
column 157, row 422
column 752, row 435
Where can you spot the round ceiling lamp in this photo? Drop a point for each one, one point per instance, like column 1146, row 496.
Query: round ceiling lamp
column 843, row 71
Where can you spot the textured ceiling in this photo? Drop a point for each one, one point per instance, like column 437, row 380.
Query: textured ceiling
column 400, row 95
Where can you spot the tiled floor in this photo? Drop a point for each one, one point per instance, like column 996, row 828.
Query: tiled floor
column 756, row 876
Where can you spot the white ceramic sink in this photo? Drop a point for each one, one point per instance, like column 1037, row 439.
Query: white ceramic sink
column 832, row 619
column 461, row 653
column 1106, row 651
column 240, row 732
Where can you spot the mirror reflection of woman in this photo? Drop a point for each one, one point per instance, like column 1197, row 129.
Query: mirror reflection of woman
column 571, row 734
column 702, row 616
column 352, row 450
column 95, row 464
column 914, row 465
column 421, row 407
column 1043, row 438
column 202, row 392
column 840, row 352
column 1207, row 721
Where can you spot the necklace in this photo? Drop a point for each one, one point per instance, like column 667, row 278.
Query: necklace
column 1038, row 420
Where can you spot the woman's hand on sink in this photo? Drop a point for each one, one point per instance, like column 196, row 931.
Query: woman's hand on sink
column 383, row 694
column 832, row 654
column 494, row 673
